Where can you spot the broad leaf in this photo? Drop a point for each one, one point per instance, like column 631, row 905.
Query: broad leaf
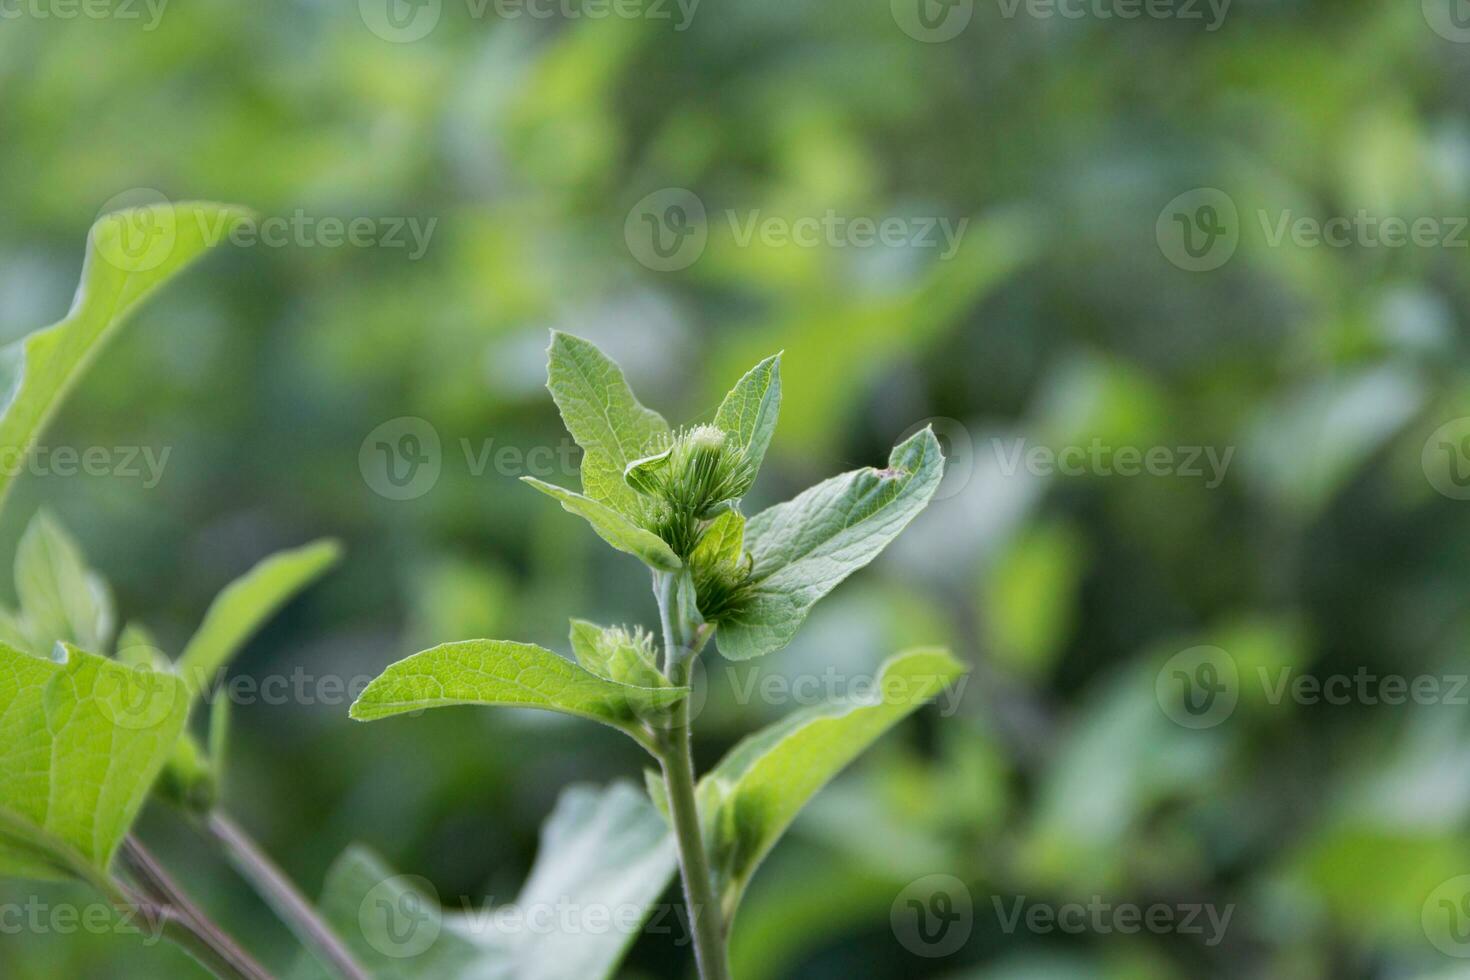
column 84, row 740
column 804, row 548
column 604, row 417
column 605, row 856
column 613, row 527
column 748, row 413
column 615, row 654
column 61, row 599
column 751, row 797
column 129, row 255
column 246, row 604
column 517, row 675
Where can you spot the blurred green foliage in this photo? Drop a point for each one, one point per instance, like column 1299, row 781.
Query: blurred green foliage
column 1323, row 550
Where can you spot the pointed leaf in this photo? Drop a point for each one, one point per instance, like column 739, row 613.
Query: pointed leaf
column 245, row 605
column 517, row 675
column 604, row 417
column 605, row 855
column 61, row 599
column 804, row 548
column 748, row 413
column 751, row 797
column 37, row 370
column 84, row 741
column 613, row 527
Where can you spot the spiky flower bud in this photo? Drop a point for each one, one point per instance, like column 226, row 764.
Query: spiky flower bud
column 697, row 476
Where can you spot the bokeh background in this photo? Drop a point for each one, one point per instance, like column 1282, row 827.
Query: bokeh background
column 1329, row 380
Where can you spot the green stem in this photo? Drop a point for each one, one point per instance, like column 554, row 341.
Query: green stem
column 184, row 923
column 283, row 897
column 682, row 639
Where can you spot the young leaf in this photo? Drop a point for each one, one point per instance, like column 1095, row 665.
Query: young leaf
column 604, row 417
column 613, row 527
column 85, row 739
column 751, row 797
column 61, row 599
column 616, row 654
column 37, row 370
column 601, row 850
column 246, row 604
column 517, row 675
column 804, row 548
column 748, row 413
column 723, row 542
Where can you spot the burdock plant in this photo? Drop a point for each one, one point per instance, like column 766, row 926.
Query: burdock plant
column 672, row 499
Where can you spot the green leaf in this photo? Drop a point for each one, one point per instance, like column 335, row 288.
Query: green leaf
column 613, row 527
column 84, row 740
column 604, row 860
column 804, row 548
column 604, row 417
column 61, row 599
column 723, row 542
column 751, row 797
column 37, row 371
column 246, row 604
column 748, row 413
column 616, row 654
column 517, row 675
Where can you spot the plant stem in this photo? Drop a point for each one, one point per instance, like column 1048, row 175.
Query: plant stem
column 289, row 904
column 185, row 924
column 682, row 640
